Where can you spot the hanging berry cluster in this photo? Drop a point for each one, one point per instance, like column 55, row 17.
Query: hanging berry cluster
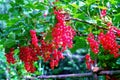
column 89, row 62
column 105, row 40
column 108, row 42
column 51, row 51
column 62, row 34
column 34, row 38
column 28, row 56
column 94, row 45
column 9, row 56
column 103, row 13
column 62, row 37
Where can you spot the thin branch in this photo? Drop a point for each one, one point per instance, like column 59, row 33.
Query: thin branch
column 75, row 75
column 80, row 34
column 88, row 23
column 110, row 72
column 65, row 76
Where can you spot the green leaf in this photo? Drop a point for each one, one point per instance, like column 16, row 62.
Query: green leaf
column 81, row 3
column 113, row 1
column 117, row 17
column 101, row 7
column 19, row 1
column 118, row 61
column 9, row 43
column 4, row 16
column 80, row 42
column 89, row 2
column 48, row 37
column 2, row 56
column 16, row 51
column 40, row 6
column 11, row 35
column 30, row 5
column 75, row 5
column 91, row 21
column 12, row 22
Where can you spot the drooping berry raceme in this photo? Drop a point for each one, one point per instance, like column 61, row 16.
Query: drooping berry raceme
column 10, row 56
column 34, row 38
column 57, row 55
column 116, row 30
column 29, row 67
column 28, row 56
column 108, row 41
column 62, row 34
column 103, row 13
column 109, row 24
column 50, row 53
column 59, row 16
column 94, row 45
column 62, row 37
column 46, row 50
column 89, row 61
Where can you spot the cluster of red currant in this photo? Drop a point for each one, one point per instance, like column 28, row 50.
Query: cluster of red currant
column 9, row 56
column 89, row 62
column 28, row 56
column 94, row 45
column 34, row 38
column 51, row 51
column 62, row 34
column 62, row 37
column 103, row 13
column 108, row 42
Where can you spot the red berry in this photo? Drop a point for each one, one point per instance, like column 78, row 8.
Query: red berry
column 109, row 24
column 87, row 56
column 108, row 41
column 103, row 12
column 9, row 56
column 94, row 45
column 34, row 38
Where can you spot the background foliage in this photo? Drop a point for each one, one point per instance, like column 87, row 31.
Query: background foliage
column 17, row 17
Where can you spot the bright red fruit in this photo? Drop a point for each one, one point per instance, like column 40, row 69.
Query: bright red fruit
column 62, row 34
column 62, row 37
column 108, row 41
column 103, row 13
column 28, row 55
column 32, row 33
column 9, row 56
column 94, row 45
column 87, row 56
column 29, row 67
column 109, row 24
column 89, row 61
column 34, row 38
